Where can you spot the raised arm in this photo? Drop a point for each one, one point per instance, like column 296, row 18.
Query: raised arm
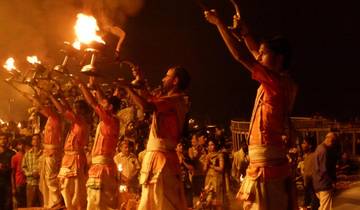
column 140, row 102
column 231, row 42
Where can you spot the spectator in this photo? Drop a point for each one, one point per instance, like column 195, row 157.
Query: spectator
column 324, row 176
column 5, row 173
column 19, row 178
column 30, row 166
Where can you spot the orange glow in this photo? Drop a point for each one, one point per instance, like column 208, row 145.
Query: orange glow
column 120, row 168
column 77, row 45
column 123, row 188
column 86, row 28
column 9, row 64
column 33, row 59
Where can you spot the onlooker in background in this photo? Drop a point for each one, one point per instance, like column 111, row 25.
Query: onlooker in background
column 19, row 178
column 308, row 147
column 324, row 176
column 186, row 167
column 214, row 168
column 5, row 173
column 30, row 166
column 196, row 151
column 130, row 166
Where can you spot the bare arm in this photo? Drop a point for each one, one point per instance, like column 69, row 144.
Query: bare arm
column 138, row 100
column 231, row 42
column 89, row 98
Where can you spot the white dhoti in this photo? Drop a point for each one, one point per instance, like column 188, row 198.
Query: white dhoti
column 49, row 185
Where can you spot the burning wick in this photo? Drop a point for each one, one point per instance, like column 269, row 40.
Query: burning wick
column 33, row 59
column 120, row 168
column 77, row 45
column 85, row 30
column 19, row 125
column 10, row 64
column 2, row 122
column 123, row 188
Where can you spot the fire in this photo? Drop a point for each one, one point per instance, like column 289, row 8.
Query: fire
column 19, row 125
column 10, row 64
column 123, row 188
column 33, row 59
column 77, row 45
column 86, row 28
column 120, row 168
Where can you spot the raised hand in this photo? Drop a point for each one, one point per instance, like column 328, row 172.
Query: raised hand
column 212, row 17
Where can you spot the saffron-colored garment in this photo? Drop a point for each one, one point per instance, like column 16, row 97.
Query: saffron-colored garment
column 162, row 188
column 72, row 172
column 52, row 132
column 50, row 161
column 101, row 185
column 268, row 171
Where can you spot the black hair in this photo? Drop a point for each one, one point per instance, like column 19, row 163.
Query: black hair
column 311, row 140
column 183, row 75
column 280, row 46
column 115, row 102
column 83, row 106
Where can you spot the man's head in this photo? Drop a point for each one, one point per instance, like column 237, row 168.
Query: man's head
column 4, row 140
column 124, row 147
column 111, row 104
column 275, row 54
column 35, row 140
column 176, row 78
column 81, row 107
column 20, row 144
column 330, row 139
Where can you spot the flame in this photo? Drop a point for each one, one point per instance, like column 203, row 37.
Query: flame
column 86, row 28
column 19, row 125
column 120, row 168
column 2, row 121
column 77, row 45
column 33, row 59
column 241, row 178
column 123, row 188
column 10, row 64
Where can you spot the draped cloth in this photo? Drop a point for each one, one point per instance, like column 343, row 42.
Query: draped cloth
column 267, row 180
column 160, row 178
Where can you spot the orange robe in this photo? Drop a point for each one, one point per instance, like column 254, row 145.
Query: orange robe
column 49, row 163
column 160, row 178
column 265, row 184
column 72, row 172
column 102, row 186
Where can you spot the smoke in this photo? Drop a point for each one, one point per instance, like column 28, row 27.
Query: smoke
column 33, row 27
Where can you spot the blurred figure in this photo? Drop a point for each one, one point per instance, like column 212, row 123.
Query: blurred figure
column 324, row 175
column 19, row 178
column 215, row 179
column 130, row 167
column 196, row 152
column 5, row 173
column 30, row 166
column 308, row 146
column 186, row 168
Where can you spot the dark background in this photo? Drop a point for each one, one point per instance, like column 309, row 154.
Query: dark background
column 324, row 36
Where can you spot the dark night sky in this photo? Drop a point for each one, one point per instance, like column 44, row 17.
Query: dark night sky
column 324, row 36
